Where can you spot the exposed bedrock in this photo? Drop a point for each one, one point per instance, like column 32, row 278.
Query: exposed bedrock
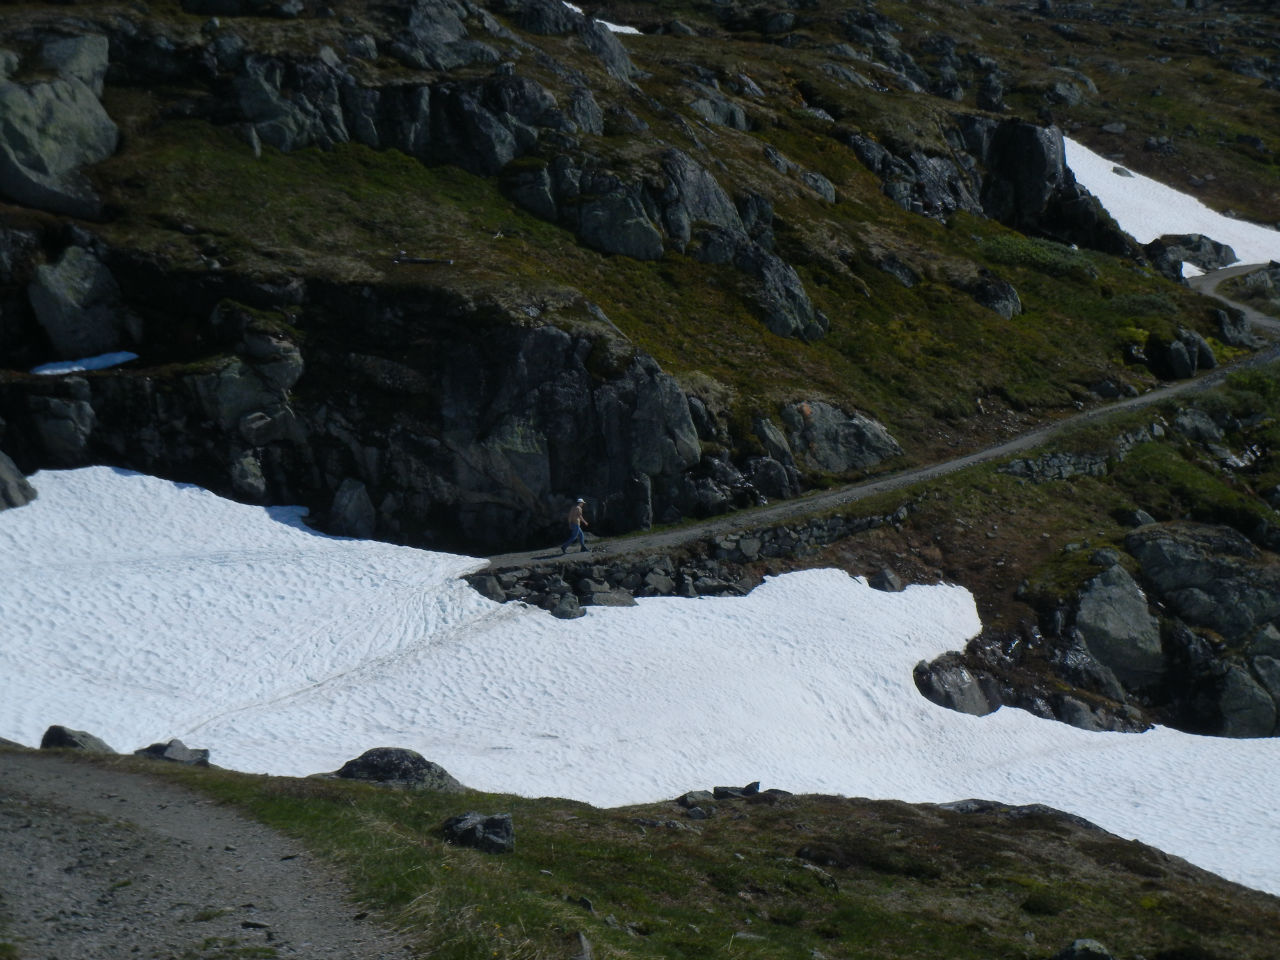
column 426, row 433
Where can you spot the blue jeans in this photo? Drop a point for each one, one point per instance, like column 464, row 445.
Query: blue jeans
column 575, row 536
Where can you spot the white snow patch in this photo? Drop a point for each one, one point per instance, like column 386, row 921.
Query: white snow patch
column 101, row 362
column 1146, row 208
column 141, row 610
column 611, row 27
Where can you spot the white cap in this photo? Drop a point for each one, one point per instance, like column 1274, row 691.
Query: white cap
column 580, row 500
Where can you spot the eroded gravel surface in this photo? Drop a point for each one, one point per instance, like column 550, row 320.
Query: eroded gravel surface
column 98, row 863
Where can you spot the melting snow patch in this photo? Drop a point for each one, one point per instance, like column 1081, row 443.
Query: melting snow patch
column 100, row 362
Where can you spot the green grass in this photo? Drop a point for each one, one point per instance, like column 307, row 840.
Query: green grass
column 844, row 877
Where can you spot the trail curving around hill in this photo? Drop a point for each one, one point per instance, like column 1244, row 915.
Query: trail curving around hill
column 817, row 502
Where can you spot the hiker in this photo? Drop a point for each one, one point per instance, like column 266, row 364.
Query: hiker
column 576, row 522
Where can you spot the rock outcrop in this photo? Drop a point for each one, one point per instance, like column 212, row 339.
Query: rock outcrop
column 52, row 128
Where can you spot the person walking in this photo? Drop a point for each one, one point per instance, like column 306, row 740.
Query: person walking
column 576, row 522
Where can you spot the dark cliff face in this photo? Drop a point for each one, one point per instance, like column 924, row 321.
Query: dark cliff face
column 712, row 234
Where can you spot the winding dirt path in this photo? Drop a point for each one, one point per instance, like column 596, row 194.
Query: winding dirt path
column 783, row 510
column 98, row 863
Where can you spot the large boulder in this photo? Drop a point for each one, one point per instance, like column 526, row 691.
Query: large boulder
column 396, row 766
column 49, row 130
column 826, row 438
column 1119, row 629
column 947, row 682
column 59, row 737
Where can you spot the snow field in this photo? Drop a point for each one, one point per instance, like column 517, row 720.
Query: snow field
column 142, row 610
column 1146, row 209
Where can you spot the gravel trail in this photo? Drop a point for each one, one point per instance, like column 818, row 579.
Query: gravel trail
column 98, row 863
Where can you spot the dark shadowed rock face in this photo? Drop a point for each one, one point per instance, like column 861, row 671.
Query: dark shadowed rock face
column 396, row 766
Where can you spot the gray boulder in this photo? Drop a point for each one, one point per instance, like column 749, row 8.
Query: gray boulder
column 48, row 132
column 1267, row 670
column 77, row 303
column 826, row 438
column 398, row 767
column 58, row 737
column 1118, row 628
column 947, row 682
column 175, row 751
column 15, row 490
column 1247, row 709
column 490, row 833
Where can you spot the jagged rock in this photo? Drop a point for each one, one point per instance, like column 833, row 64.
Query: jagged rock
column 15, row 490
column 52, row 129
column 489, row 833
column 175, row 751
column 396, row 766
column 826, row 438
column 57, row 737
column 947, row 682
column 77, row 304
column 1118, row 628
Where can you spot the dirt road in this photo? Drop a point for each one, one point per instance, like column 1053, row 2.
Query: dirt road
column 98, row 863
